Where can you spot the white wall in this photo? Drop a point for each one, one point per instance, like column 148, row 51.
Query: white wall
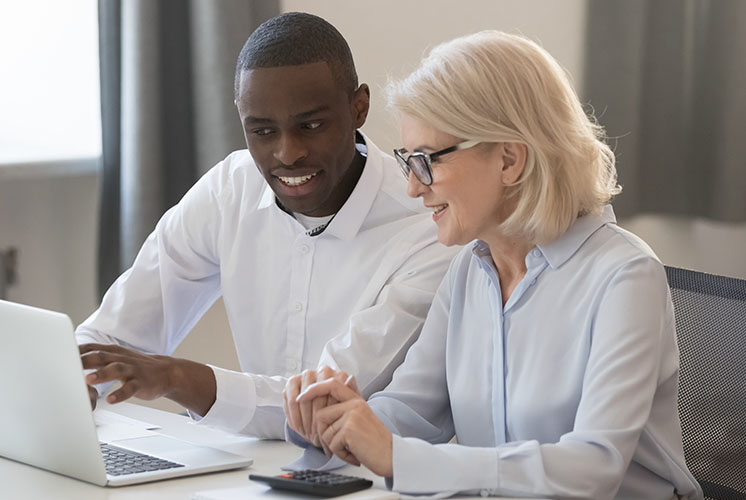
column 53, row 220
column 389, row 37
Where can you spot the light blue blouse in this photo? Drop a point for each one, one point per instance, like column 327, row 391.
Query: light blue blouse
column 567, row 391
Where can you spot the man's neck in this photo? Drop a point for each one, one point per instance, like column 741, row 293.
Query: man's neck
column 346, row 186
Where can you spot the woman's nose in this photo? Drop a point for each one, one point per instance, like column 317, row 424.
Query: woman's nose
column 415, row 188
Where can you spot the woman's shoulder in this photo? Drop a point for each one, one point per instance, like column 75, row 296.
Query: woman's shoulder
column 613, row 249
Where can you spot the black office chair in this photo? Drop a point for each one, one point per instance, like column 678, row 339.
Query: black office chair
column 711, row 329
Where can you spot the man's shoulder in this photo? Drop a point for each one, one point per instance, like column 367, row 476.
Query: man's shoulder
column 393, row 189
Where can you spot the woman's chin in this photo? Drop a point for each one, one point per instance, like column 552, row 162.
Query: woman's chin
column 447, row 238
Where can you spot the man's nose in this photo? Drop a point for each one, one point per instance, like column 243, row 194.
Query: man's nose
column 290, row 149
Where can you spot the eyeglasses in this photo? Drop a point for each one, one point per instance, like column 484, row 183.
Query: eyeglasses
column 421, row 163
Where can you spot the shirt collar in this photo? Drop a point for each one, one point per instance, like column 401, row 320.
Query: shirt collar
column 351, row 216
column 559, row 251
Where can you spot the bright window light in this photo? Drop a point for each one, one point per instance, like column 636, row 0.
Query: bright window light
column 49, row 88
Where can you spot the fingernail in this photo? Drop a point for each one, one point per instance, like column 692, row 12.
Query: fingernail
column 111, row 398
column 91, row 377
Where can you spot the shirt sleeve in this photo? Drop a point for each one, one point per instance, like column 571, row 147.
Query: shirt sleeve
column 632, row 354
column 381, row 333
column 374, row 345
column 247, row 403
column 416, row 402
column 174, row 279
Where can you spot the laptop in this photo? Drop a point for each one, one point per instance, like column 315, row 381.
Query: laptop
column 46, row 420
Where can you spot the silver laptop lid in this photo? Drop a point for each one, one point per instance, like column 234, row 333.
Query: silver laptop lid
column 47, row 421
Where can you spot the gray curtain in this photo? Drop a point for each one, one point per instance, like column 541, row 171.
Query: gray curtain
column 167, row 108
column 667, row 78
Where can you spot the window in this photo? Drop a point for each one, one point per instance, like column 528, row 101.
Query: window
column 49, row 90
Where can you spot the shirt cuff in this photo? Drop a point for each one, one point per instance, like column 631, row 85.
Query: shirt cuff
column 446, row 469
column 235, row 401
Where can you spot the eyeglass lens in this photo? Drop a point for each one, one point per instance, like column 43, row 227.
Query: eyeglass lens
column 417, row 164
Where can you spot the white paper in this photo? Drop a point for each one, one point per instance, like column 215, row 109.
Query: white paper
column 112, row 426
column 106, row 417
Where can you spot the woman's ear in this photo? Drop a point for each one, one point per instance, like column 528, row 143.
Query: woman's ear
column 514, row 161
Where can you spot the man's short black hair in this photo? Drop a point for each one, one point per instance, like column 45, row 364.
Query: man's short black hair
column 298, row 38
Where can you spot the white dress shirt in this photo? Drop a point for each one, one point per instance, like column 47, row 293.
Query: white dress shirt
column 567, row 391
column 353, row 297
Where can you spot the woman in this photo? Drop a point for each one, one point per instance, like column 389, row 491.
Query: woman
column 549, row 351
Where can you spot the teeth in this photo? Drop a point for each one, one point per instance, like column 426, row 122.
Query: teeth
column 296, row 181
column 440, row 208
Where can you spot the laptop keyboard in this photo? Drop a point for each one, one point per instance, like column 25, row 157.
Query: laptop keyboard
column 120, row 462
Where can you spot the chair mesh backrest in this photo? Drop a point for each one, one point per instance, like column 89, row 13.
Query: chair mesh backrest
column 711, row 330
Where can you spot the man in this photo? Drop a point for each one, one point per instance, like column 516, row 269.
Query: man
column 309, row 236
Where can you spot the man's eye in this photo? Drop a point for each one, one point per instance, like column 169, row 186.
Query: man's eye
column 262, row 131
column 311, row 125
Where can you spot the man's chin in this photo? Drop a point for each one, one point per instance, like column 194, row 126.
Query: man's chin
column 299, row 205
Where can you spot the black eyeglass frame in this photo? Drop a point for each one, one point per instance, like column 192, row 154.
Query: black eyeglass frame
column 421, row 163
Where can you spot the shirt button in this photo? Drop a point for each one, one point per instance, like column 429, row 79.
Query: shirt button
column 535, row 253
column 298, row 306
column 294, row 365
column 303, row 249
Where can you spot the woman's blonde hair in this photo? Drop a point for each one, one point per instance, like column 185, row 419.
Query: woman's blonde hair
column 496, row 87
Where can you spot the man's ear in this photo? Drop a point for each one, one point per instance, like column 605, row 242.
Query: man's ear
column 514, row 161
column 360, row 105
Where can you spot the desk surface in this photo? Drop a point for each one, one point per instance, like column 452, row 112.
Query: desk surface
column 25, row 482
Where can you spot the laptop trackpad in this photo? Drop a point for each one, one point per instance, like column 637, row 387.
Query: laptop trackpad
column 174, row 449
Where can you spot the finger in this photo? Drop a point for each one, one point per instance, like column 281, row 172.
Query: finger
column 97, row 359
column 324, row 373
column 330, row 387
column 306, row 410
column 125, row 392
column 293, row 410
column 328, row 417
column 350, row 382
column 321, row 428
column 326, row 432
column 112, row 371
column 93, row 396
column 340, row 376
column 316, row 405
column 113, row 348
column 338, row 444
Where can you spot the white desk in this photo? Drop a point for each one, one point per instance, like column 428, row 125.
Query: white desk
column 19, row 481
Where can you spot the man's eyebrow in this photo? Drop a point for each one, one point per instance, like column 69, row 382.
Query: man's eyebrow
column 256, row 120
column 309, row 113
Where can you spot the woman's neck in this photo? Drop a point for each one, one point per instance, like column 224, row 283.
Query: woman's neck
column 509, row 256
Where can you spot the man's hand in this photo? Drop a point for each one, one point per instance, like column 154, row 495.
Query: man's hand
column 350, row 429
column 93, row 396
column 301, row 415
column 149, row 376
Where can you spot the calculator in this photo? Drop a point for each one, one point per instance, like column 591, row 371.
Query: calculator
column 319, row 483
